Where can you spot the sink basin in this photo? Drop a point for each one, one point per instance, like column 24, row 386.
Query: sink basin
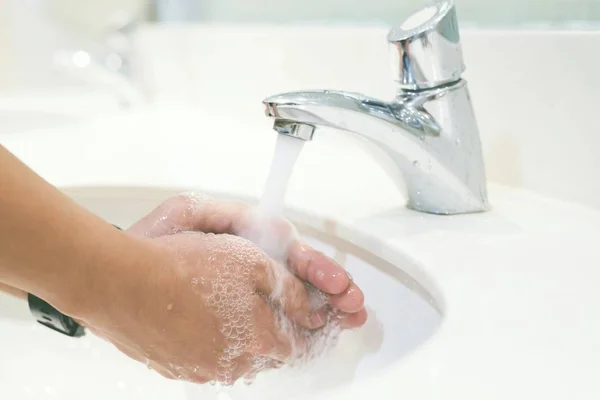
column 516, row 286
column 41, row 364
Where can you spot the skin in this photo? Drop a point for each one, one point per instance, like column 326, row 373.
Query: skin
column 153, row 290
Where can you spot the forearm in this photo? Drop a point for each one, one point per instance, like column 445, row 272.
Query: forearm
column 49, row 245
column 13, row 291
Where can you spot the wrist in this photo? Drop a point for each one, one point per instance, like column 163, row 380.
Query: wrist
column 113, row 284
column 93, row 265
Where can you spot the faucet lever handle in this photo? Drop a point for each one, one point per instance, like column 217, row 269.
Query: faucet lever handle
column 425, row 50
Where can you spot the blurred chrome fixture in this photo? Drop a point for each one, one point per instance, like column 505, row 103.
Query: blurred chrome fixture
column 165, row 11
column 107, row 63
column 428, row 133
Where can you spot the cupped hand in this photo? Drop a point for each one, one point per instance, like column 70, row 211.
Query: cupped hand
column 196, row 307
column 275, row 235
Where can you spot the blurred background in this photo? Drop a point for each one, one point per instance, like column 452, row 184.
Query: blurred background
column 31, row 31
column 47, row 43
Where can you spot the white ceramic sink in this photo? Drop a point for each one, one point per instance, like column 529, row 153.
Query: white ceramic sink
column 38, row 363
column 517, row 286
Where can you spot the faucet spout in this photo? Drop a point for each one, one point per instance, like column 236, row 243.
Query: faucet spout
column 429, row 139
column 349, row 111
column 428, row 132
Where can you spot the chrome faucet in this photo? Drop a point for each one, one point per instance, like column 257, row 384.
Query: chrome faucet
column 428, row 131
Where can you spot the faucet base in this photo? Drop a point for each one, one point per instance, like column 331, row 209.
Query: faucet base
column 448, row 211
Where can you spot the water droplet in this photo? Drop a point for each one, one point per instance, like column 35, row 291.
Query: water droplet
column 169, row 307
column 457, row 141
column 416, row 164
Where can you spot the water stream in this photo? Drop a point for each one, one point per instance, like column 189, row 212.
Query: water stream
column 312, row 371
column 287, row 151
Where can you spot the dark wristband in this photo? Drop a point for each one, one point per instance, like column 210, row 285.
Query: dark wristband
column 50, row 317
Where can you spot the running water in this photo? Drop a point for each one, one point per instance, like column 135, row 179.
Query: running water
column 269, row 230
column 275, row 241
column 266, row 227
column 287, row 151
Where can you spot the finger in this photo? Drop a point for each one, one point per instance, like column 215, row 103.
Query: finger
column 272, row 342
column 290, row 294
column 353, row 320
column 297, row 304
column 261, row 364
column 236, row 218
column 273, row 235
column 212, row 216
column 243, row 366
column 350, row 301
column 318, row 269
column 173, row 215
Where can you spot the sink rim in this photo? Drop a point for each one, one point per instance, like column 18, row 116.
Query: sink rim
column 312, row 223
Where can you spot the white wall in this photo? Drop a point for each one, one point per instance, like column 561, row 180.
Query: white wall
column 481, row 12
column 26, row 40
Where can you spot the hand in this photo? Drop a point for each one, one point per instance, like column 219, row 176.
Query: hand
column 210, row 282
column 190, row 212
column 146, row 294
column 200, row 310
